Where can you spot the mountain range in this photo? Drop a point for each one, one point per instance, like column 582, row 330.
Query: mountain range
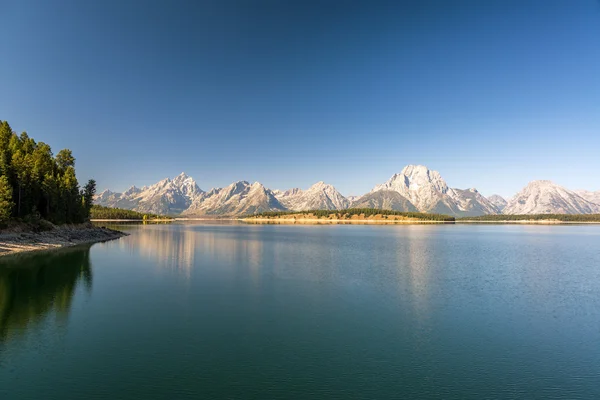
column 415, row 188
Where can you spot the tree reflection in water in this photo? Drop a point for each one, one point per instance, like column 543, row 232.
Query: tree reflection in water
column 35, row 286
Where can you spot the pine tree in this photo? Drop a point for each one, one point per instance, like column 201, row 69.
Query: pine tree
column 89, row 190
column 70, row 195
column 6, row 203
column 65, row 159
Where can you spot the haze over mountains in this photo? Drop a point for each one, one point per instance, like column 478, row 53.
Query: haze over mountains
column 415, row 188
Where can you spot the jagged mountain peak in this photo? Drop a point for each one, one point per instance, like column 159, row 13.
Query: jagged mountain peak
column 239, row 198
column 498, row 201
column 428, row 192
column 547, row 197
column 593, row 197
column 322, row 186
column 413, row 169
column 319, row 196
column 542, row 183
column 182, row 177
column 416, row 187
column 423, row 187
column 131, row 191
column 167, row 196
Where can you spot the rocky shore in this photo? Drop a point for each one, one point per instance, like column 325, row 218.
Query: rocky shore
column 22, row 240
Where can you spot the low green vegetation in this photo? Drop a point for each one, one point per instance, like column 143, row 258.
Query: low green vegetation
column 101, row 212
column 37, row 185
column 536, row 217
column 347, row 214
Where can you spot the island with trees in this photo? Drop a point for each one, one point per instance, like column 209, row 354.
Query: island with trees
column 351, row 215
column 41, row 202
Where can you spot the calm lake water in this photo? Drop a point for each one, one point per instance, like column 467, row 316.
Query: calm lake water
column 307, row 312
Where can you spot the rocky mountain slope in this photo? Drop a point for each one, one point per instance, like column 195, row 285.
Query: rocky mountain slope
column 546, row 197
column 593, row 197
column 239, row 198
column 385, row 200
column 428, row 192
column 169, row 196
column 498, row 201
column 415, row 188
column 319, row 196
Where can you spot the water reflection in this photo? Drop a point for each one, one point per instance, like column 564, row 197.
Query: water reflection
column 183, row 248
column 419, row 264
column 33, row 287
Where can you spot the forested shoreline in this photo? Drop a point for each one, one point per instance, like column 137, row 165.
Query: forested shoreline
column 37, row 185
column 534, row 217
column 355, row 212
column 367, row 213
column 101, row 212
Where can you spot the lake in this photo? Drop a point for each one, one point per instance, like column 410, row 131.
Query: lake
column 233, row 311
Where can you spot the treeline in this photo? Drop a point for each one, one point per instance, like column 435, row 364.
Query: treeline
column 366, row 212
column 536, row 217
column 35, row 184
column 101, row 212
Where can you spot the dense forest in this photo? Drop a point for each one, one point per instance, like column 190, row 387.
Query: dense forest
column 101, row 212
column 35, row 184
column 366, row 212
column 536, row 217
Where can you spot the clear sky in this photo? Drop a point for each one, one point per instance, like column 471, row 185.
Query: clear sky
column 490, row 93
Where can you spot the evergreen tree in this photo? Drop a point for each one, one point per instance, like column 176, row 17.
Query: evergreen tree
column 89, row 190
column 70, row 195
column 37, row 183
column 6, row 134
column 65, row 159
column 6, row 203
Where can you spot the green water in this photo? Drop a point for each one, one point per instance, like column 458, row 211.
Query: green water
column 307, row 312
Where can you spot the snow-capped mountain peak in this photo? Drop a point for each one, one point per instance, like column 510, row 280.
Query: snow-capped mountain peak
column 167, row 196
column 236, row 199
column 546, row 197
column 415, row 188
column 320, row 196
column 429, row 192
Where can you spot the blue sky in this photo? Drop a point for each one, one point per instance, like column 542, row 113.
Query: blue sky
column 490, row 93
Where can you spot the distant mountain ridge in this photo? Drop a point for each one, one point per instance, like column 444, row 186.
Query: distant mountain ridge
column 239, row 198
column 546, row 197
column 428, row 192
column 498, row 201
column 593, row 197
column 415, row 188
column 168, row 196
column 319, row 196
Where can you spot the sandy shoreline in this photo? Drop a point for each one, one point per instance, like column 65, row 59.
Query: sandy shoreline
column 340, row 221
column 317, row 221
column 59, row 237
